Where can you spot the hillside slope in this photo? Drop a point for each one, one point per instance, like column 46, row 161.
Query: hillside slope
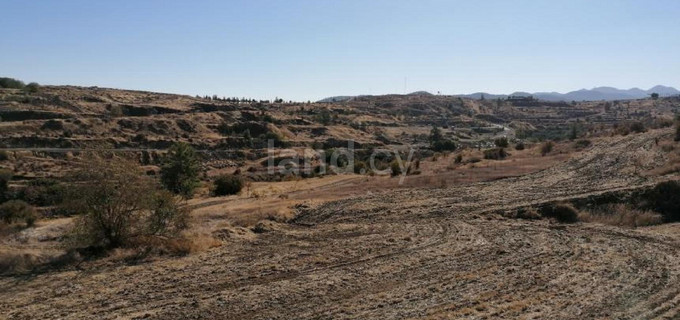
column 427, row 254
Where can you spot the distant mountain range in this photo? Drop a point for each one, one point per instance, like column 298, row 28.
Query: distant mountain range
column 595, row 94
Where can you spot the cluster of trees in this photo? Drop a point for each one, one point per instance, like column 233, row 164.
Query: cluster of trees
column 438, row 142
column 10, row 83
column 240, row 100
column 230, row 99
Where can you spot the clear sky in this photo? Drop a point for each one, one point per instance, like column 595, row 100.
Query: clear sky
column 312, row 49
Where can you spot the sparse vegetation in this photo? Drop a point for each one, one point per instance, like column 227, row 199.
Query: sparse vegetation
column 622, row 215
column 519, row 146
column 43, row 192
column 14, row 211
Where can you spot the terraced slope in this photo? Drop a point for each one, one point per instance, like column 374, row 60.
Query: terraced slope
column 414, row 254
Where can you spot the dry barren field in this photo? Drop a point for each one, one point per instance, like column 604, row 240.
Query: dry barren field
column 418, row 253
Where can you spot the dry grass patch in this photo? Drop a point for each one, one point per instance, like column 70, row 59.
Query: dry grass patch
column 623, row 216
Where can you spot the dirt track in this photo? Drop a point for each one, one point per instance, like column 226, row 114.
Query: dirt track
column 434, row 254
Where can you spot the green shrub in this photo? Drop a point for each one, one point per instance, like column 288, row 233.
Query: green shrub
column 180, row 169
column 227, row 184
column 495, row 154
column 501, row 142
column 519, row 146
column 444, row 145
column 395, row 168
column 120, row 206
column 166, row 215
column 16, row 210
column 4, row 155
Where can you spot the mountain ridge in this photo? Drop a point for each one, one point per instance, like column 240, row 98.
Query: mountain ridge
column 595, row 94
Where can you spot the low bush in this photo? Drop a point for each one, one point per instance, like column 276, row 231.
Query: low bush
column 166, row 215
column 4, row 155
column 632, row 127
column 495, row 154
column 663, row 199
column 360, row 167
column 519, row 146
column 501, row 142
column 444, row 145
column 458, row 159
column 227, row 185
column 395, row 168
column 677, row 132
column 43, row 192
column 623, row 216
column 119, row 206
column 32, row 87
column 562, row 212
column 547, row 147
column 637, row 127
column 14, row 211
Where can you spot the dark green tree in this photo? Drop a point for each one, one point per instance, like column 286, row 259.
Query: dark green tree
column 501, row 142
column 435, row 135
column 180, row 170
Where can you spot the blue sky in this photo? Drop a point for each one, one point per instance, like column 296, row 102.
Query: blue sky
column 312, row 49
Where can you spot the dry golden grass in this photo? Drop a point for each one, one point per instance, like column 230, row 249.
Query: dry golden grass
column 623, row 216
